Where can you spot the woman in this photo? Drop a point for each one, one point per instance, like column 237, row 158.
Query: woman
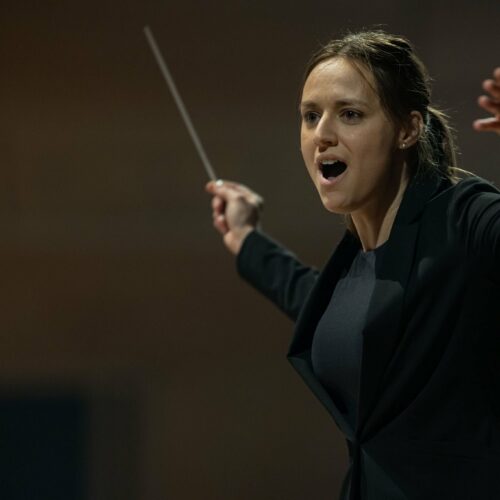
column 399, row 335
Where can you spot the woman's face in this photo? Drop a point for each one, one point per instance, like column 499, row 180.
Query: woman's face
column 349, row 145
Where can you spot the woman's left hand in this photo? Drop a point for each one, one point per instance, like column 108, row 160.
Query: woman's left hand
column 490, row 103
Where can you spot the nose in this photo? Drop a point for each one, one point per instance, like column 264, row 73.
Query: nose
column 325, row 134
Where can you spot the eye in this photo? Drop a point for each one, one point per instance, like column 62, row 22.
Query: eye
column 310, row 117
column 351, row 116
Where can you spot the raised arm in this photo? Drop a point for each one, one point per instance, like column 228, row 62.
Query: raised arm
column 477, row 203
column 266, row 265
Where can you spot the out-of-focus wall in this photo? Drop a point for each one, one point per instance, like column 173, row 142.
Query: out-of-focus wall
column 114, row 285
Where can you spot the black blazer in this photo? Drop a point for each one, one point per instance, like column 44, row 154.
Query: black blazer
column 429, row 394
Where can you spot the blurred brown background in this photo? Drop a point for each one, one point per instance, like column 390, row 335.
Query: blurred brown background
column 116, row 291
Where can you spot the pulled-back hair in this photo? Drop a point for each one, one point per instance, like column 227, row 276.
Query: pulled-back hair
column 403, row 85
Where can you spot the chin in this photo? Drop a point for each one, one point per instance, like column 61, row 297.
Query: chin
column 333, row 206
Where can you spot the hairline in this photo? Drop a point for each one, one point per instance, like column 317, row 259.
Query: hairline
column 364, row 69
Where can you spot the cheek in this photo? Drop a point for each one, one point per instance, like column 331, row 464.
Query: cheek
column 378, row 148
column 304, row 157
column 302, row 142
column 306, row 148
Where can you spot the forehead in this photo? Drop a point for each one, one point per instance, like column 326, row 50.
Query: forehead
column 339, row 78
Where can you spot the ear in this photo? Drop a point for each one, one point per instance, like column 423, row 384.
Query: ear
column 410, row 132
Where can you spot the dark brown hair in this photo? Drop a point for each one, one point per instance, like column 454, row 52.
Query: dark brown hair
column 403, row 85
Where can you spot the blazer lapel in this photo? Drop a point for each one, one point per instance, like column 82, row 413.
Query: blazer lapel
column 382, row 333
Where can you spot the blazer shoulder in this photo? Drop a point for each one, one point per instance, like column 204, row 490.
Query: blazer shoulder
column 474, row 211
column 467, row 194
column 474, row 185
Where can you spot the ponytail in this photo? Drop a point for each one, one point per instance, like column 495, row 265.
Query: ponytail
column 436, row 149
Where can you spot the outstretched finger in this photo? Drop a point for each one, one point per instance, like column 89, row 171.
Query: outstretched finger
column 489, row 104
column 492, row 87
column 487, row 125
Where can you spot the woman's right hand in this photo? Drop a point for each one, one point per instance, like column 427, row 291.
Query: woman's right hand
column 236, row 211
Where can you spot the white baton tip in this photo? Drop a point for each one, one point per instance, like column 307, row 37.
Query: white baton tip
column 219, row 183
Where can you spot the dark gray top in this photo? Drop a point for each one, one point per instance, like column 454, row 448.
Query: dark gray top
column 337, row 343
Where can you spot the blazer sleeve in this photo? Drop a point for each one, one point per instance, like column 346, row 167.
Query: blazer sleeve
column 275, row 272
column 477, row 213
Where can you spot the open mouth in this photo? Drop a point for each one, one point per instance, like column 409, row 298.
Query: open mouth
column 332, row 168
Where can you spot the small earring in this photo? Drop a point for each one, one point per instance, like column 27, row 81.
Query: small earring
column 403, row 145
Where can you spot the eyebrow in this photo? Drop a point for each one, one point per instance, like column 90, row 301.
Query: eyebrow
column 338, row 103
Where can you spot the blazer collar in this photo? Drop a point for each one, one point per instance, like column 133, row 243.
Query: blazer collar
column 381, row 335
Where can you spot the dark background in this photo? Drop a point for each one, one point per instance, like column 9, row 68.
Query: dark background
column 119, row 302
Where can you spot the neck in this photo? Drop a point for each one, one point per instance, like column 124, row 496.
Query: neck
column 374, row 223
